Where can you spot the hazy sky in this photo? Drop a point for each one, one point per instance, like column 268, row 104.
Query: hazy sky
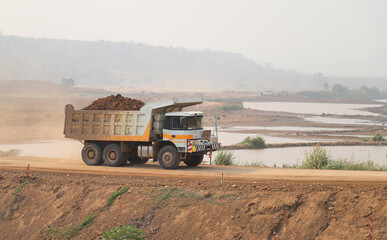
column 335, row 37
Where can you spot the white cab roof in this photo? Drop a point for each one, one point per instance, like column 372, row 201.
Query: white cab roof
column 184, row 114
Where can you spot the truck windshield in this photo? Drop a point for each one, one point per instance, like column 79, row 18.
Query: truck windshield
column 195, row 122
column 186, row 123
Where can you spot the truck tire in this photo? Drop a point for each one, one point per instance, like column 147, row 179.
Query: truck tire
column 194, row 160
column 92, row 154
column 168, row 157
column 112, row 155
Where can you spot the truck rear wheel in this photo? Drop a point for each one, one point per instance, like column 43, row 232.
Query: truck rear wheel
column 194, row 160
column 168, row 157
column 112, row 155
column 92, row 154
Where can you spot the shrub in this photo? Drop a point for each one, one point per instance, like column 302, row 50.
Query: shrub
column 378, row 138
column 10, row 153
column 224, row 158
column 232, row 106
column 255, row 143
column 124, row 232
column 317, row 158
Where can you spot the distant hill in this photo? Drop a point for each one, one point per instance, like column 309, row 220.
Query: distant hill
column 101, row 63
column 26, row 87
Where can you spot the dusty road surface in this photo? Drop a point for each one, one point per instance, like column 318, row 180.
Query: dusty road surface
column 188, row 203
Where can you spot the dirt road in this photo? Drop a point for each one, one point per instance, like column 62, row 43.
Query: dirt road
column 202, row 171
column 189, row 203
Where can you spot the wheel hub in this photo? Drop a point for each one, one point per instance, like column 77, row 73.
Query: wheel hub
column 168, row 157
column 112, row 155
column 90, row 154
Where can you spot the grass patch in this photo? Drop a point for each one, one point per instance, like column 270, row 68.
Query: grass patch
column 10, row 153
column 114, row 195
column 67, row 232
column 86, row 222
column 17, row 190
column 231, row 106
column 254, row 164
column 160, row 195
column 224, row 158
column 344, row 164
column 290, row 165
column 318, row 158
column 378, row 138
column 124, row 232
column 254, row 143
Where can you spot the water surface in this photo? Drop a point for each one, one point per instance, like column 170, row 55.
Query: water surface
column 313, row 108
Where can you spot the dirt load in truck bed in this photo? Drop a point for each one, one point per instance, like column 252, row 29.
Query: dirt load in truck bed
column 117, row 102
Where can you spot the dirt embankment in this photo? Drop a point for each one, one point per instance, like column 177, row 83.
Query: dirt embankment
column 168, row 208
column 117, row 102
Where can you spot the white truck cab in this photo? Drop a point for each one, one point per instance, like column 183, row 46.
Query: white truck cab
column 185, row 130
column 159, row 130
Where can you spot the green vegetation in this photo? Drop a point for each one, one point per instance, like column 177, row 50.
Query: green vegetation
column 86, row 222
column 318, row 158
column 124, row 232
column 255, row 143
column 67, row 232
column 160, row 195
column 114, row 195
column 209, row 99
column 224, row 158
column 344, row 164
column 10, row 153
column 339, row 91
column 254, row 164
column 17, row 190
column 290, row 166
column 378, row 138
column 231, row 106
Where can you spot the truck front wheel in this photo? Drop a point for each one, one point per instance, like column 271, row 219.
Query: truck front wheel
column 194, row 160
column 168, row 157
column 92, row 154
column 112, row 155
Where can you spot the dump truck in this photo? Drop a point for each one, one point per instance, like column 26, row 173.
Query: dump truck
column 159, row 130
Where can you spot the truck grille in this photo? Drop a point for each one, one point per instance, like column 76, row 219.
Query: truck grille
column 206, row 134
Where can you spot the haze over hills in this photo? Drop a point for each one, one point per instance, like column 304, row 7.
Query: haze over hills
column 101, row 63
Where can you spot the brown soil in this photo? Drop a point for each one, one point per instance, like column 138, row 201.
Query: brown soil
column 117, row 102
column 190, row 208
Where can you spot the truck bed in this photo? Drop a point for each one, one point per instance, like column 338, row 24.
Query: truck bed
column 106, row 125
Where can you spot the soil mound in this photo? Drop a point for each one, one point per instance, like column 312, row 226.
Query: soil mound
column 117, row 102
